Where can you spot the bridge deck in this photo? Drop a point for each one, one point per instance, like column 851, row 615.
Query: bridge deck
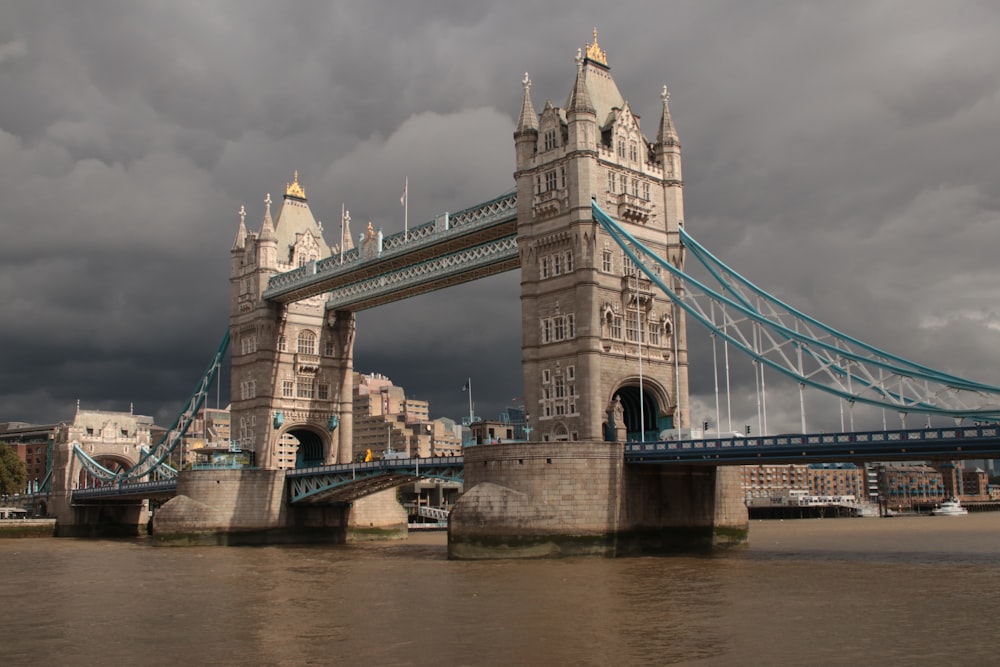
column 350, row 481
column 474, row 243
column 863, row 446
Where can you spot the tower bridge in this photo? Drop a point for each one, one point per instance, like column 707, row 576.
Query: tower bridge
column 596, row 228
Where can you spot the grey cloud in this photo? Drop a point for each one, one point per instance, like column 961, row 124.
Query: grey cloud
column 841, row 155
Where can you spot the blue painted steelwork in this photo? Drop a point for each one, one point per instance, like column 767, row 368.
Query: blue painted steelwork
column 349, row 481
column 152, row 462
column 967, row 442
column 800, row 347
column 426, row 276
column 117, row 491
column 470, row 244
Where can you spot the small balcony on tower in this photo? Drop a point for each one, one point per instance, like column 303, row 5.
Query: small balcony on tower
column 637, row 290
column 306, row 364
column 632, row 208
column 549, row 203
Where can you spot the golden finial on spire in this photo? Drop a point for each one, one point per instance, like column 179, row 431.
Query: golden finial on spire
column 596, row 53
column 293, row 189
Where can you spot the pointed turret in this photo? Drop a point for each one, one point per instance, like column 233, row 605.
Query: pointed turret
column 528, row 121
column 579, row 99
column 526, row 133
column 267, row 240
column 267, row 226
column 241, row 234
column 667, row 148
column 667, row 136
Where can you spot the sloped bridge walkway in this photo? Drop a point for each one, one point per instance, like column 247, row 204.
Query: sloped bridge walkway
column 350, row 481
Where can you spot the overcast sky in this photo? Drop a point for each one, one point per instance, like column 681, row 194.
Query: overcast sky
column 843, row 155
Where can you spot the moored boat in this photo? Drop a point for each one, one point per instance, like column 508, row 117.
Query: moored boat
column 949, row 508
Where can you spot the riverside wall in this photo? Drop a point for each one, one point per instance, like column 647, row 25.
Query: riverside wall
column 552, row 499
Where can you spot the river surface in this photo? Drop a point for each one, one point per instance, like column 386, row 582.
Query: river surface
column 905, row 590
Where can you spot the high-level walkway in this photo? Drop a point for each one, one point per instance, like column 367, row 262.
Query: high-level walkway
column 454, row 248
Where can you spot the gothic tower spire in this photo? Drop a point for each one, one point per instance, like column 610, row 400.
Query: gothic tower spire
column 667, row 136
column 528, row 121
column 579, row 99
column 241, row 233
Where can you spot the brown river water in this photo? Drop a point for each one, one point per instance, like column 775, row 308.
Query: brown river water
column 905, row 590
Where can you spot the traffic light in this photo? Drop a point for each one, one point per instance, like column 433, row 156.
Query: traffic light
column 748, row 429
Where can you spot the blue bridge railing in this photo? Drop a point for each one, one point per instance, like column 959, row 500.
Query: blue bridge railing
column 960, row 442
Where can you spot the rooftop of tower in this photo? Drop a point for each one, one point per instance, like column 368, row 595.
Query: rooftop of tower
column 604, row 94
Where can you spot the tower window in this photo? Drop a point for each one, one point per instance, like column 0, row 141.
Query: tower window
column 550, row 140
column 550, row 180
column 607, row 262
column 307, row 342
column 632, row 325
column 611, row 182
column 306, row 387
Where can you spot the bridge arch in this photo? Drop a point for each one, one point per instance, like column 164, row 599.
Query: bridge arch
column 116, row 464
column 303, row 446
column 656, row 412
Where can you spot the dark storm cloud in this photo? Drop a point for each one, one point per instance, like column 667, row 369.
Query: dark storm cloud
column 841, row 155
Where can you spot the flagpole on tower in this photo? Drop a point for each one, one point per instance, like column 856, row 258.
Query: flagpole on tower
column 405, row 201
column 468, row 388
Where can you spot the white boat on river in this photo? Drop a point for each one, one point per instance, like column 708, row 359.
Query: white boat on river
column 949, row 508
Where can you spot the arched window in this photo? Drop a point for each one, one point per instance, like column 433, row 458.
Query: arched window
column 307, row 342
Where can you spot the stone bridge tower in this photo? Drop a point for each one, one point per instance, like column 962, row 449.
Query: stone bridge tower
column 604, row 353
column 292, row 364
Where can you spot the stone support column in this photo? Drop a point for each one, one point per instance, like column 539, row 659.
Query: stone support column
column 344, row 328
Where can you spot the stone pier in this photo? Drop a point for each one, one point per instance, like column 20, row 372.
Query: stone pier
column 532, row 500
column 233, row 507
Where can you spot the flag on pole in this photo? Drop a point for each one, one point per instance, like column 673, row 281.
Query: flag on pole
column 465, row 387
column 406, row 186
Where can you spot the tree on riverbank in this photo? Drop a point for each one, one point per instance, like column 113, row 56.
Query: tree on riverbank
column 13, row 472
